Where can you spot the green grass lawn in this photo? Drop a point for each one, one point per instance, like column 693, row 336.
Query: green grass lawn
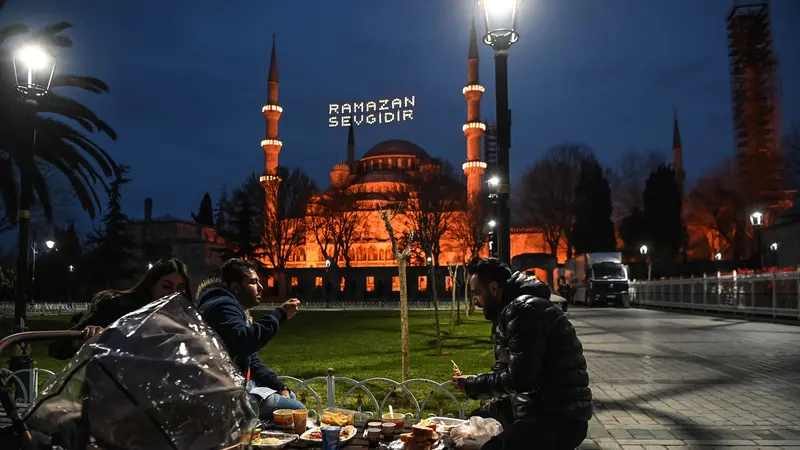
column 357, row 345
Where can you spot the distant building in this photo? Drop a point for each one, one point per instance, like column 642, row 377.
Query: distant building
column 165, row 237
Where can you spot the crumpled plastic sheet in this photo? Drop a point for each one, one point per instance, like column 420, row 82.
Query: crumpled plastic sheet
column 475, row 433
column 158, row 378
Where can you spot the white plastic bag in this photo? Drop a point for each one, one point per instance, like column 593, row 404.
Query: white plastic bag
column 473, row 434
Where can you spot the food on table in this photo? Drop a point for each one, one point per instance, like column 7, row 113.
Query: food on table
column 420, row 438
column 315, row 434
column 269, row 441
column 456, row 370
column 438, row 425
column 336, row 418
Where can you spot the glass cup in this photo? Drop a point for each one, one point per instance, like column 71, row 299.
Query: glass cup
column 284, row 419
column 300, row 417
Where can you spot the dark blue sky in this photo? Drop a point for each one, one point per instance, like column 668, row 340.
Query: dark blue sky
column 188, row 79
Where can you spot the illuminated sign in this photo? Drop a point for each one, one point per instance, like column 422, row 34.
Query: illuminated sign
column 371, row 112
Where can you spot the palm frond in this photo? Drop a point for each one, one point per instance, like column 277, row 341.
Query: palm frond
column 91, row 84
column 11, row 31
column 71, row 109
column 49, row 35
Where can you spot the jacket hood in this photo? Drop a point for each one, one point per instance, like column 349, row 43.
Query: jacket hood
column 520, row 285
column 211, row 288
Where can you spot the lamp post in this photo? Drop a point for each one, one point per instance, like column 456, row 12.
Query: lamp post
column 492, row 226
column 50, row 245
column 757, row 220
column 500, row 18
column 643, row 250
column 33, row 69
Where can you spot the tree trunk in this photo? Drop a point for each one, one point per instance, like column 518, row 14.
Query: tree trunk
column 467, row 303
column 453, row 288
column 401, row 272
column 436, row 310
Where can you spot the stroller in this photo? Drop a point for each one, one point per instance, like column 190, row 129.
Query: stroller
column 158, row 378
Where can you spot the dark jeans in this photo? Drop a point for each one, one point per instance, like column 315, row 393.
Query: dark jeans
column 533, row 434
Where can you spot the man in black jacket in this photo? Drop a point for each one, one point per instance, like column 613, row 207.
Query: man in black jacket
column 540, row 385
column 225, row 305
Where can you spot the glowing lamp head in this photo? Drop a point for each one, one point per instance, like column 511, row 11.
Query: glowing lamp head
column 71, row 268
column 327, row 263
column 149, row 266
column 773, row 246
column 33, row 68
column 492, row 223
column 718, row 256
column 757, row 219
column 500, row 19
column 643, row 249
column 50, row 244
column 493, row 181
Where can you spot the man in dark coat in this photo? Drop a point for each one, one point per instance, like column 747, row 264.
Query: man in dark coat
column 225, row 305
column 539, row 385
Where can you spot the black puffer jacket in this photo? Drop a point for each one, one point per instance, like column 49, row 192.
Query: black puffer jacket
column 539, row 359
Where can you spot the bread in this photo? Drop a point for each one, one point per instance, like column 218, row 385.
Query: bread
column 406, row 437
column 421, row 432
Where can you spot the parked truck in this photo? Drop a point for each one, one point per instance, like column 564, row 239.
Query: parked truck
column 599, row 278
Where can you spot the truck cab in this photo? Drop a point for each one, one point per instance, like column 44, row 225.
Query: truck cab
column 599, row 279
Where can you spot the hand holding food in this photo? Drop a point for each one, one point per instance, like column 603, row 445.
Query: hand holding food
column 456, row 370
column 460, row 382
column 290, row 307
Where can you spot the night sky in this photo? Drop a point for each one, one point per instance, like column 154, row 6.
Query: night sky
column 188, row 79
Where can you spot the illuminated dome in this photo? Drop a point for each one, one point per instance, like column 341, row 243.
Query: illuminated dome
column 397, row 147
column 339, row 174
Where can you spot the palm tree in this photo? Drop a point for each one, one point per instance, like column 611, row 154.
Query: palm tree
column 62, row 128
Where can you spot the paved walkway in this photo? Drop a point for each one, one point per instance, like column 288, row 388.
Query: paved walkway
column 665, row 380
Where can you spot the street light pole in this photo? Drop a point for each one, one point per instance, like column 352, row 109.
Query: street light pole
column 757, row 220
column 500, row 17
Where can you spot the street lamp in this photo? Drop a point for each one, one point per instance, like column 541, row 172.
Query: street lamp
column 500, row 20
column 643, row 250
column 50, row 244
column 773, row 246
column 757, row 220
column 718, row 256
column 149, row 266
column 493, row 181
column 33, row 70
column 492, row 223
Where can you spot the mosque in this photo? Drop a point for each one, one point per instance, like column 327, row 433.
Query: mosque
column 388, row 168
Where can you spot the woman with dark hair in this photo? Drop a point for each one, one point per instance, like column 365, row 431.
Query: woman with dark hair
column 164, row 278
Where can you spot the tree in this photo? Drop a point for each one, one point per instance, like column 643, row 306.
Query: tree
column 244, row 219
column 58, row 144
column 545, row 196
column 662, row 211
column 111, row 256
column 336, row 223
column 716, row 207
column 470, row 236
column 633, row 231
column 453, row 271
column 284, row 227
column 221, row 213
column 402, row 257
column 593, row 230
column 205, row 215
column 628, row 178
column 431, row 212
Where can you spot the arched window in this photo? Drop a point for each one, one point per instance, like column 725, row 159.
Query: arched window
column 360, row 256
column 400, row 163
column 390, row 163
column 381, row 255
column 372, row 254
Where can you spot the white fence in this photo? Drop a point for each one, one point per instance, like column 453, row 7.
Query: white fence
column 769, row 294
column 64, row 309
column 418, row 397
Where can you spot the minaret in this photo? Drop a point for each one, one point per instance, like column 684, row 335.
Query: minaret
column 677, row 154
column 351, row 147
column 271, row 145
column 473, row 128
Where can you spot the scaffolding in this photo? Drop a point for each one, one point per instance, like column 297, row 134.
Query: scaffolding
column 755, row 94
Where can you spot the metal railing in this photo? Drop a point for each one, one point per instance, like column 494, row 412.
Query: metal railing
column 370, row 397
column 366, row 305
column 43, row 309
column 775, row 294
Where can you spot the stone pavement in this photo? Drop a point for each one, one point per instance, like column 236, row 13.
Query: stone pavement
column 666, row 380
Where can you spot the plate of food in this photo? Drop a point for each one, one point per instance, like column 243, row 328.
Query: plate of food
column 442, row 425
column 337, row 417
column 272, row 440
column 314, row 435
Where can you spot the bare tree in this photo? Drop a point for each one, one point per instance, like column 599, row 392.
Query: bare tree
column 545, row 196
column 716, row 205
column 453, row 271
column 336, row 223
column 402, row 257
column 628, row 178
column 284, row 225
column 431, row 211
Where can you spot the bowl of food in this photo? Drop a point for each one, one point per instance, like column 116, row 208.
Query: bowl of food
column 272, row 440
column 442, row 425
column 337, row 417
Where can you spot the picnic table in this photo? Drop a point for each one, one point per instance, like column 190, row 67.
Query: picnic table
column 357, row 443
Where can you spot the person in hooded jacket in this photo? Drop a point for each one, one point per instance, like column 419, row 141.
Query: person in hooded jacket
column 539, row 386
column 225, row 303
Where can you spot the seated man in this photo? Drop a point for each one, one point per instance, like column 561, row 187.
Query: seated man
column 540, row 384
column 225, row 304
